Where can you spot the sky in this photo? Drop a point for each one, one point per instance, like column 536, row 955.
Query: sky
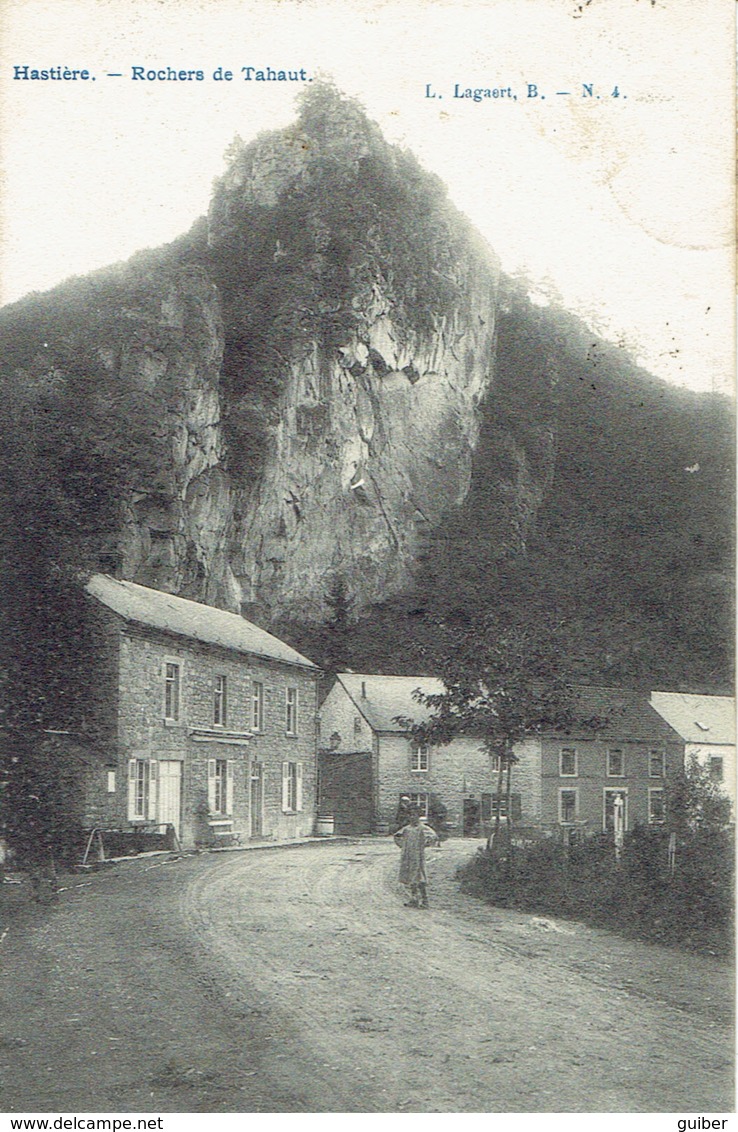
column 620, row 205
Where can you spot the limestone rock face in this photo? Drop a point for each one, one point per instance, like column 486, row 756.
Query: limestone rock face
column 366, row 455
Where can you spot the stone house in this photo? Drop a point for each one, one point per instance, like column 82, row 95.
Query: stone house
column 707, row 726
column 367, row 762
column 561, row 780
column 209, row 723
column 628, row 756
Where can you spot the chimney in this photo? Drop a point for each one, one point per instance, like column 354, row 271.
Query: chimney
column 363, row 689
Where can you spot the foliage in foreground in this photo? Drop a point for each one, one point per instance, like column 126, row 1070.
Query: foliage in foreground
column 690, row 907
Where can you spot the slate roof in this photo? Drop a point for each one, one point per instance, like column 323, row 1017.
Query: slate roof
column 389, row 696
column 624, row 713
column 178, row 615
column 698, row 719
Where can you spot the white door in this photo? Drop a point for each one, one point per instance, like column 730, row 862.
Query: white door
column 170, row 793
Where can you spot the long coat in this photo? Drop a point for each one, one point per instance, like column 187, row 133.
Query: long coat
column 413, row 839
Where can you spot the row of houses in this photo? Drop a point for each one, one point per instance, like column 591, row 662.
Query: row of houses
column 214, row 731
column 368, row 763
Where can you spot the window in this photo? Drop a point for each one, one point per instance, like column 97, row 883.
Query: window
column 142, row 780
column 140, row 789
column 357, row 725
column 172, row 690
column 220, row 786
column 419, row 800
column 291, row 787
column 715, row 768
column 220, row 702
column 614, row 799
column 419, row 757
column 568, row 762
column 111, row 781
column 655, row 764
column 291, row 711
column 257, row 706
column 568, row 805
column 655, row 805
column 490, row 803
column 615, row 764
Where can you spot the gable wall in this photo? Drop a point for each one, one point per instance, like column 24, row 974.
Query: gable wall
column 339, row 715
column 345, row 791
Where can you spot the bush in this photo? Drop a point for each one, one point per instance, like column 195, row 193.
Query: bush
column 691, row 907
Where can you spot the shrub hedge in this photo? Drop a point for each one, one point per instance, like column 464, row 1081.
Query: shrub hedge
column 639, row 895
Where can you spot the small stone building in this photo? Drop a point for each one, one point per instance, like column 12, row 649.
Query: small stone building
column 210, row 722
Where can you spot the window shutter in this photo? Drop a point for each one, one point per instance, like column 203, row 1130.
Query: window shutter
column 132, row 789
column 229, row 787
column 285, row 787
column 153, row 788
column 298, row 801
column 211, row 786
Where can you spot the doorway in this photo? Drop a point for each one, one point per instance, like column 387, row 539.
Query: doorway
column 472, row 818
column 256, row 799
column 608, row 815
column 169, row 809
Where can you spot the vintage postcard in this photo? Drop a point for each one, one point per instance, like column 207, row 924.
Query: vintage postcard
column 367, row 719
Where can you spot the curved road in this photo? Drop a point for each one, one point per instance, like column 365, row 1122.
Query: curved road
column 294, row 980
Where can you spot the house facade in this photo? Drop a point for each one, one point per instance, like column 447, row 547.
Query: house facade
column 211, row 722
column 707, row 726
column 368, row 762
column 621, row 753
column 618, row 756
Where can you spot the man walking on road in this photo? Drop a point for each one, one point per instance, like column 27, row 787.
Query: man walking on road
column 412, row 840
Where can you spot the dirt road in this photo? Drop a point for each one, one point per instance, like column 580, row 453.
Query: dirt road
column 294, row 980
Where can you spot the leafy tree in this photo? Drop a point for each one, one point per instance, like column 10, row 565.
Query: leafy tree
column 77, row 438
column 695, row 803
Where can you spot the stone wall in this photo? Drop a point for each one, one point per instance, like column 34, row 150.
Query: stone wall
column 455, row 772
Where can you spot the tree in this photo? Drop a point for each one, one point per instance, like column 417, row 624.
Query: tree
column 502, row 683
column 695, row 803
column 73, row 447
column 341, row 605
